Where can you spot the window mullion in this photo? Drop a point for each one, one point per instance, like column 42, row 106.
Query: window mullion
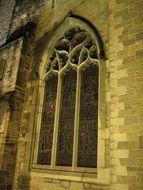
column 76, row 121
column 56, row 123
column 41, row 88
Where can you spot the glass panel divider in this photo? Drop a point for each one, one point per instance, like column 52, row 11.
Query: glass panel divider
column 56, row 123
column 76, row 121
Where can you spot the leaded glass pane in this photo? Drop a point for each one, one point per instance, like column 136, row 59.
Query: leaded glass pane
column 47, row 123
column 88, row 119
column 66, row 121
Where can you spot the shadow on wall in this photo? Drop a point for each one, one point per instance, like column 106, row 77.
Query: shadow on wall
column 10, row 142
column 24, row 182
column 15, row 100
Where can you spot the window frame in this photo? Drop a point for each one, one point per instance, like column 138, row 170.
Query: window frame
column 101, row 163
column 76, row 118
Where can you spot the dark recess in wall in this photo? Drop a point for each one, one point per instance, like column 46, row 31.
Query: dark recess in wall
column 23, row 31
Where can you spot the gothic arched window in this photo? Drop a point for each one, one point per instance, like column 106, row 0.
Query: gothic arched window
column 69, row 117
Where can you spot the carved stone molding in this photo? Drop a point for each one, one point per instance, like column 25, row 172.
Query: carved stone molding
column 72, row 44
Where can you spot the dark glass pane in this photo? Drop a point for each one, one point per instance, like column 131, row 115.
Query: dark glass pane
column 66, row 121
column 88, row 123
column 47, row 124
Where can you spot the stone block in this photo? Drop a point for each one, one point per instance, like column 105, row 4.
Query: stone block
column 139, row 54
column 117, row 121
column 65, row 184
column 136, row 154
column 126, row 179
column 115, row 162
column 76, row 185
column 119, row 186
column 140, row 178
column 119, row 74
column 119, row 137
column 48, row 180
column 141, row 142
column 86, row 185
column 119, row 154
column 135, row 187
column 129, row 145
column 113, row 179
column 119, row 171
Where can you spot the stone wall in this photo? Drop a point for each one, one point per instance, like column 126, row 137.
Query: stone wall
column 126, row 89
column 24, row 12
column 48, row 22
column 15, row 59
column 10, row 56
column 120, row 26
column 10, row 110
column 6, row 10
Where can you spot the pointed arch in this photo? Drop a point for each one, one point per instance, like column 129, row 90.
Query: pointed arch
column 70, row 136
column 66, row 25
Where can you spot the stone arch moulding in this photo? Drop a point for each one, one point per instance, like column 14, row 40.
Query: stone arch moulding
column 68, row 23
column 101, row 171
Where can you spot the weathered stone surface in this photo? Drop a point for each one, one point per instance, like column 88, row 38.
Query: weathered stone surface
column 75, row 185
column 6, row 10
column 120, row 26
column 9, row 61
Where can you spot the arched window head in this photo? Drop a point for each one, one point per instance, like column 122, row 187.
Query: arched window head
column 73, row 37
column 69, row 118
column 73, row 49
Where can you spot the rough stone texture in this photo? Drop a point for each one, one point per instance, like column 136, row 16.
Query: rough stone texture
column 15, row 61
column 6, row 10
column 24, row 12
column 120, row 26
column 9, row 137
column 125, row 54
column 10, row 56
column 44, row 31
column 38, row 183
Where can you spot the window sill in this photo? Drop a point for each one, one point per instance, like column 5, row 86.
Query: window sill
column 100, row 176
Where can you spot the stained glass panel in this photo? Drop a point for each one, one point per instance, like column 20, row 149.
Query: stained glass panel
column 87, row 146
column 47, row 124
column 66, row 121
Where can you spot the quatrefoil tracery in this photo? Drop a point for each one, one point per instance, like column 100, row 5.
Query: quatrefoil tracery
column 75, row 48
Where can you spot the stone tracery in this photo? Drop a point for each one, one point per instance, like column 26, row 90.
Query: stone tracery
column 74, row 48
column 74, row 52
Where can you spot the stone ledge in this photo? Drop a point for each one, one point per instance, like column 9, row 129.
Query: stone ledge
column 102, row 178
